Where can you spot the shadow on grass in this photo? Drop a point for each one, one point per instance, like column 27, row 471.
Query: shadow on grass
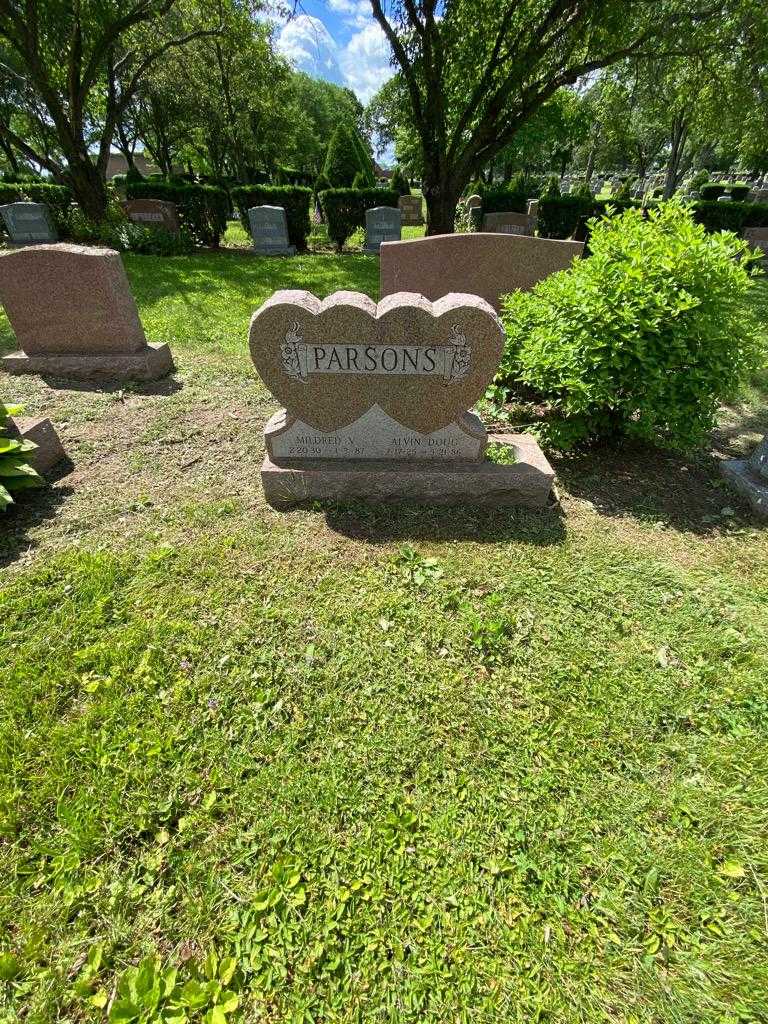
column 166, row 386
column 32, row 507
column 382, row 524
column 651, row 485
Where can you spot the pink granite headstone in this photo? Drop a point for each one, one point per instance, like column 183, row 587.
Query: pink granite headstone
column 483, row 263
column 73, row 314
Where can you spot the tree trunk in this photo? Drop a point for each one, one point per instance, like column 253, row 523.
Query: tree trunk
column 441, row 201
column 88, row 187
column 678, row 140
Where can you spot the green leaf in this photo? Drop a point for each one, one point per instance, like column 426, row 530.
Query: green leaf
column 732, row 869
column 10, row 967
column 123, row 1011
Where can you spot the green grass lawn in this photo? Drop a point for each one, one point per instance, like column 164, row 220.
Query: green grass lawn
column 371, row 764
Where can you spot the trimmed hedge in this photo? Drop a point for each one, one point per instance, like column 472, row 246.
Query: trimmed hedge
column 730, row 216
column 710, row 190
column 344, row 209
column 566, row 216
column 58, row 198
column 504, row 200
column 202, row 209
column 294, row 199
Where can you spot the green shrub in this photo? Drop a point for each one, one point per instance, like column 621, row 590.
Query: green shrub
column 699, row 178
column 731, row 216
column 344, row 209
column 710, row 190
column 644, row 338
column 563, row 216
column 503, row 199
column 581, row 190
column 202, row 209
column 399, row 183
column 133, row 175
column 551, row 188
column 321, row 184
column 16, row 473
column 360, row 181
column 342, row 159
column 294, row 199
column 739, row 191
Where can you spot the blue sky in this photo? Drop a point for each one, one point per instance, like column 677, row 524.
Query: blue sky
column 338, row 40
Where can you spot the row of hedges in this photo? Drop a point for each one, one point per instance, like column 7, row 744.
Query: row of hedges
column 344, row 209
column 293, row 198
column 58, row 198
column 203, row 209
column 566, row 216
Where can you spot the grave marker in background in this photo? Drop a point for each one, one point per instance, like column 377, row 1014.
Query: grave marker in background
column 410, row 210
column 507, row 223
column 485, row 264
column 28, row 223
column 155, row 213
column 269, row 231
column 74, row 316
column 382, row 224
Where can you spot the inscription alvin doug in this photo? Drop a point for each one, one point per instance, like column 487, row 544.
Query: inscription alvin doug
column 451, row 362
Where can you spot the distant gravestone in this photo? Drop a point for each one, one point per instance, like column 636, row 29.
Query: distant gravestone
column 28, row 223
column 382, row 224
column 153, row 213
column 758, row 239
column 507, row 223
column 750, row 477
column 74, row 316
column 411, row 211
column 269, row 231
column 376, row 400
column 485, row 264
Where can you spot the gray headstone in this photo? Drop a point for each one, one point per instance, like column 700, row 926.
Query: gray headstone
column 269, row 231
column 28, row 222
column 382, row 224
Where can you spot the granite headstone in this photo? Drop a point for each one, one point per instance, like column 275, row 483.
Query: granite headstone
column 507, row 223
column 411, row 211
column 376, row 401
column 28, row 223
column 155, row 213
column 382, row 224
column 269, row 231
column 750, row 477
column 485, row 264
column 74, row 316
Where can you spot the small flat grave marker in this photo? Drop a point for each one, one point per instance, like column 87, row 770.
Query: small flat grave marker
column 507, row 223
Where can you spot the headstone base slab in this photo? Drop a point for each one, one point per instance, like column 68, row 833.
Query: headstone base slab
column 49, row 452
column 151, row 363
column 277, row 250
column 526, row 482
column 743, row 478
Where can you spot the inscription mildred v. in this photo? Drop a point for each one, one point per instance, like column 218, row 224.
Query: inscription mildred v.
column 451, row 362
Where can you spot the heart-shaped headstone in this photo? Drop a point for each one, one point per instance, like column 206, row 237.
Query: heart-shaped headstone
column 424, row 363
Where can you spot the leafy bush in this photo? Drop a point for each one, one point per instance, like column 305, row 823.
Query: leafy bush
column 16, row 473
column 562, row 216
column 344, row 209
column 360, row 181
column 551, row 188
column 399, row 182
column 644, row 338
column 739, row 191
column 294, row 199
column 730, row 216
column 202, row 209
column 503, row 199
column 342, row 159
column 711, row 190
column 699, row 178
column 133, row 175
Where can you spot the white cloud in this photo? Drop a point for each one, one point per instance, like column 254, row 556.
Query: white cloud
column 356, row 13
column 308, row 44
column 364, row 61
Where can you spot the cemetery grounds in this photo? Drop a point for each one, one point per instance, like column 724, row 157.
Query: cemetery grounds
column 372, row 764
